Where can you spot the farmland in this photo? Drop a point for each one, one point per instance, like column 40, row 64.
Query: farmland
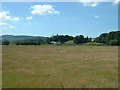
column 48, row 66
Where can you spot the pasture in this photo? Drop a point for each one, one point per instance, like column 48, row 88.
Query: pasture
column 60, row 66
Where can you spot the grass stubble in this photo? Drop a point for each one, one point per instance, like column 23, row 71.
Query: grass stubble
column 60, row 66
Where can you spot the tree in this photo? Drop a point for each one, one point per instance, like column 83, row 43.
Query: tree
column 76, row 40
column 79, row 39
column 61, row 38
column 103, row 38
column 39, row 41
column 5, row 42
column 113, row 42
column 111, row 38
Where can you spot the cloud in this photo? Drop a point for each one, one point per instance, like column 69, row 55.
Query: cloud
column 94, row 3
column 4, row 15
column 33, row 23
column 6, row 25
column 29, row 18
column 96, row 17
column 28, row 23
column 11, row 26
column 16, row 19
column 2, row 23
column 43, row 10
column 116, row 1
column 91, row 3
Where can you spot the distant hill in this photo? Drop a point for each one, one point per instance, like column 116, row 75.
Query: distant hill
column 13, row 38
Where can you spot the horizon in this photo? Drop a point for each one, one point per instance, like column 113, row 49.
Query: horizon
column 52, row 35
column 52, row 18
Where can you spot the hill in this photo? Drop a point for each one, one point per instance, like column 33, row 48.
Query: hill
column 13, row 38
column 18, row 37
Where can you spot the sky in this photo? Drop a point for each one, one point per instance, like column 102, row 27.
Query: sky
column 63, row 18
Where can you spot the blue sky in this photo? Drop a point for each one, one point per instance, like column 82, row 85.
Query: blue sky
column 47, row 19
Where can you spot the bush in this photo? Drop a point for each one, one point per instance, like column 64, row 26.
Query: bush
column 113, row 42
column 5, row 42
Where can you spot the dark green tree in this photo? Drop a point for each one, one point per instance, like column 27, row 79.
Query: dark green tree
column 5, row 42
column 79, row 39
column 61, row 38
column 111, row 38
column 113, row 42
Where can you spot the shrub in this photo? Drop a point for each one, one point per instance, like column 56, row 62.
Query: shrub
column 5, row 42
column 113, row 42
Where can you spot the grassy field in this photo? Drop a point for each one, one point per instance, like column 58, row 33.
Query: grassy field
column 71, row 42
column 94, row 44
column 60, row 66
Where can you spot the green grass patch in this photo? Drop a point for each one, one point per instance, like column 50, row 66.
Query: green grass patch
column 94, row 44
column 69, row 42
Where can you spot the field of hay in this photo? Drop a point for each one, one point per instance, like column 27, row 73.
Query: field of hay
column 60, row 66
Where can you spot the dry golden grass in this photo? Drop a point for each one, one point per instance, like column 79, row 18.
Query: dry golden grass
column 60, row 66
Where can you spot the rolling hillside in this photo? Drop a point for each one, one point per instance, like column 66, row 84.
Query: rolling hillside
column 13, row 38
column 16, row 38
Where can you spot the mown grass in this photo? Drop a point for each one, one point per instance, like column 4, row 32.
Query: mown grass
column 60, row 66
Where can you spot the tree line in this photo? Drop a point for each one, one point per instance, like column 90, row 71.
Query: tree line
column 111, row 38
column 56, row 39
